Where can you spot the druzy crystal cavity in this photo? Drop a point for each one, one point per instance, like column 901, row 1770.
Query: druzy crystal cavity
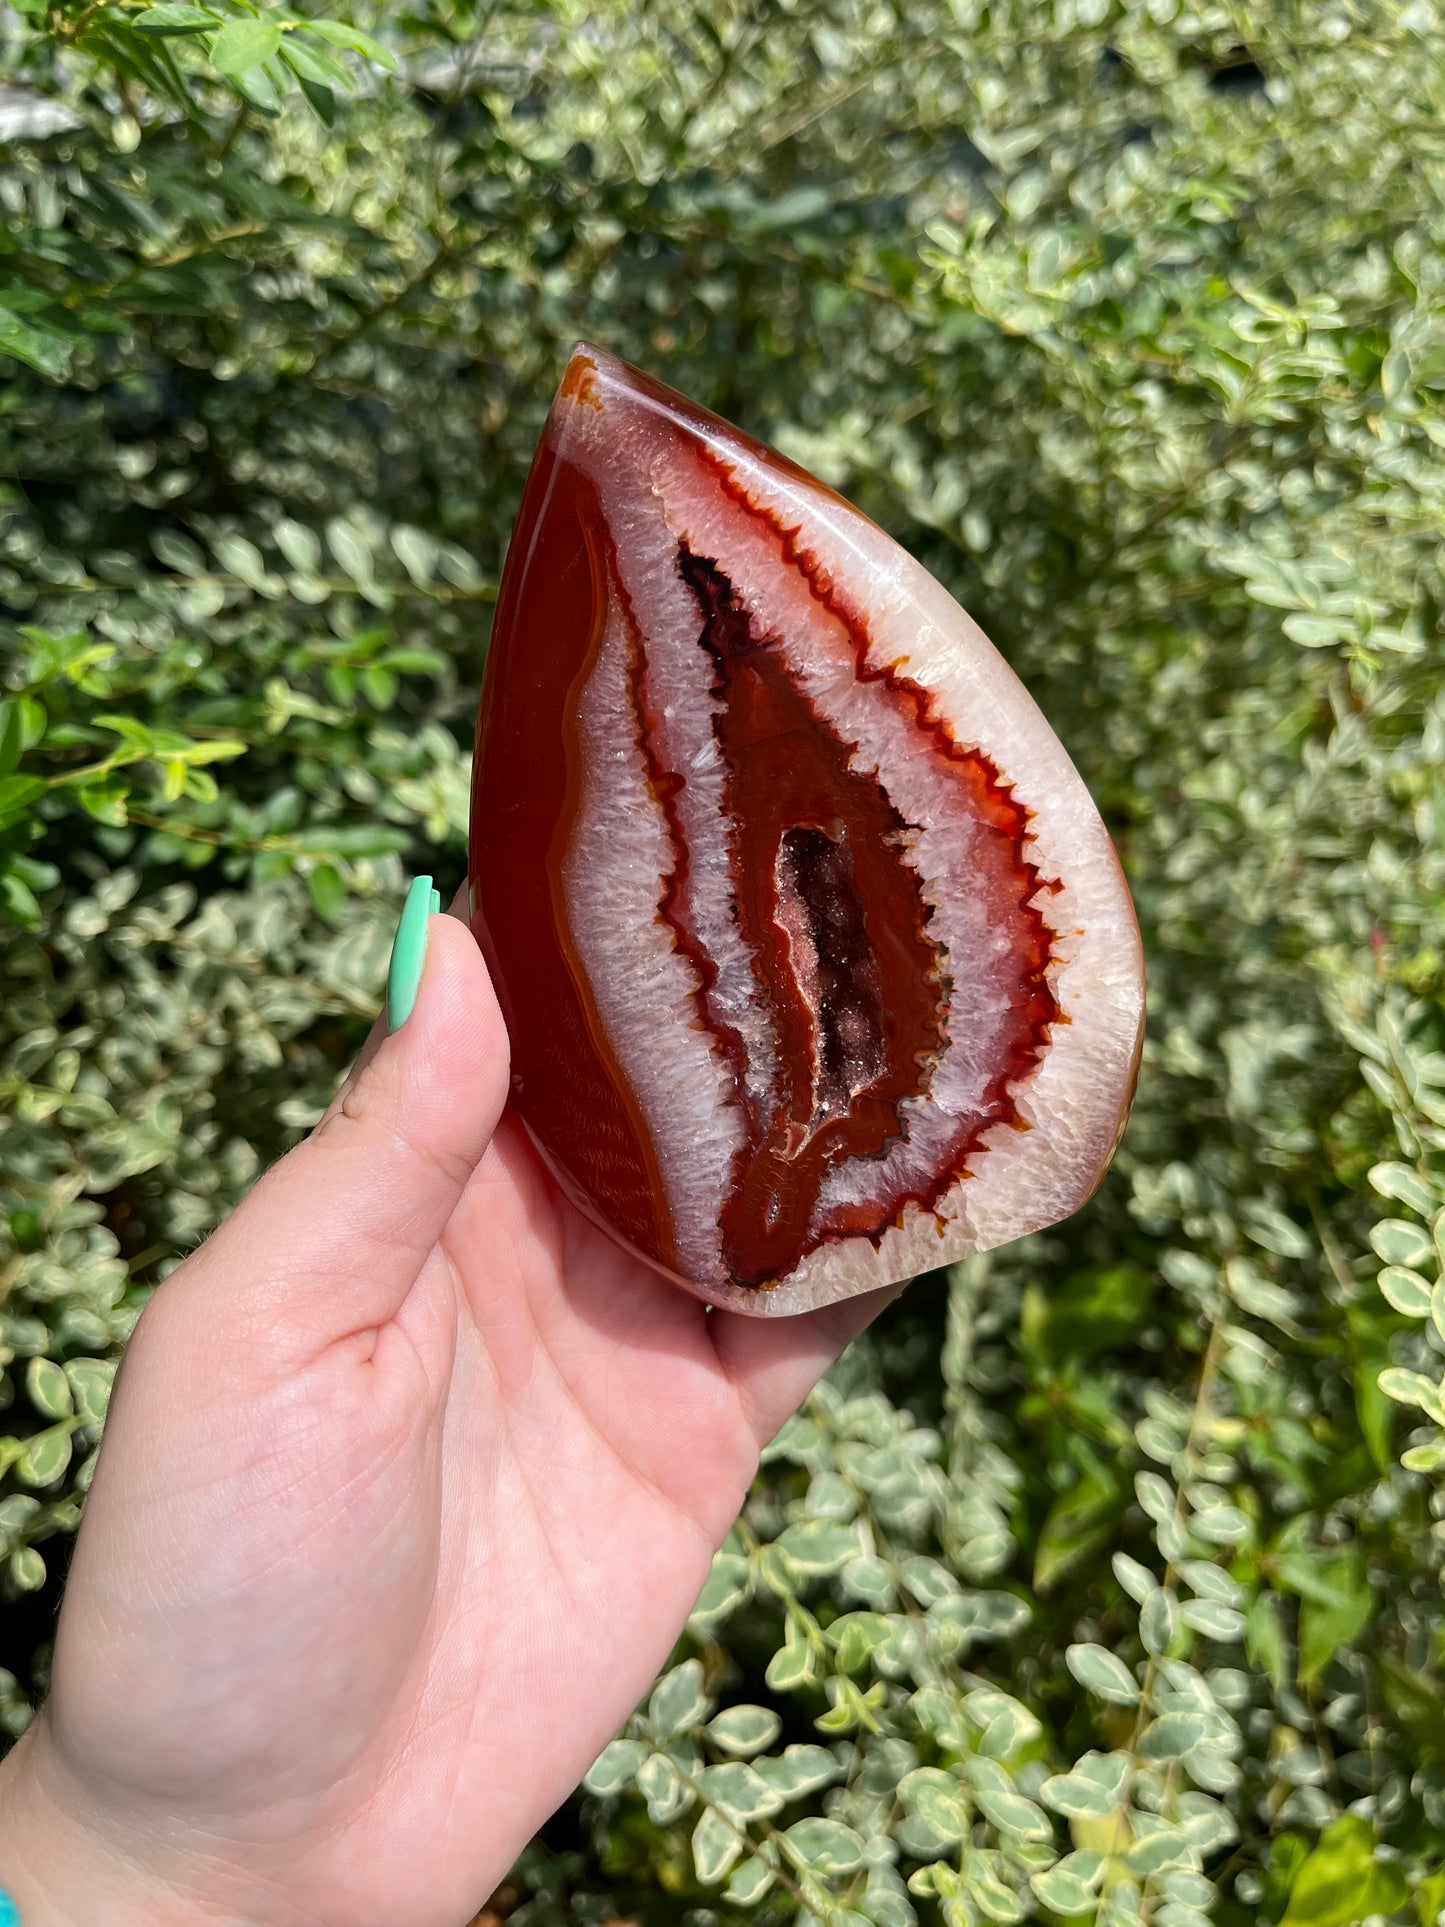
column 817, row 961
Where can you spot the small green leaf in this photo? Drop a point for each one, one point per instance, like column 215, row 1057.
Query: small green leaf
column 1102, row 1672
column 1399, row 1242
column 27, row 1570
column 1221, row 1525
column 48, row 1389
column 678, row 1701
column 1211, row 1582
column 869, row 1578
column 715, row 1847
column 17, row 793
column 91, row 1380
column 1011, row 1813
column 1406, row 1290
column 929, row 1580
column 1158, row 1850
column 1314, row 632
column 1155, row 1494
column 1405, row 1185
column 12, row 736
column 106, row 802
column 939, row 1801
column 45, row 1457
column 31, row 342
column 1063, row 1893
column 414, row 662
column 824, row 1847
column 327, row 890
column 816, row 1546
column 988, row 1891
column 322, row 101
column 310, row 63
column 256, row 85
column 18, row 1512
column 1394, row 374
column 615, row 1767
column 1264, row 1639
column 1275, row 1231
column 1172, row 1735
column 341, row 34
column 378, row 685
column 1213, row 1619
column 417, row 553
column 740, row 1791
column 168, row 19
column 793, row 1664
column 353, row 557
column 750, row 1882
column 744, row 1730
column 458, row 567
column 237, row 555
column 667, row 1794
column 243, row 44
column 1159, row 1620
column 1413, row 1388
column 350, row 840
column 856, row 1637
column 725, row 1588
column 1136, row 1579
column 18, row 900
column 299, row 545
column 1091, row 1789
column 800, row 1769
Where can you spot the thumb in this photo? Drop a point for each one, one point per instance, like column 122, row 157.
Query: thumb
column 332, row 1238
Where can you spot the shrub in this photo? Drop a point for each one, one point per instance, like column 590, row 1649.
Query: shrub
column 1102, row 1580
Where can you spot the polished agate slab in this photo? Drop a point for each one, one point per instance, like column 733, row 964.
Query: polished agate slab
column 817, row 961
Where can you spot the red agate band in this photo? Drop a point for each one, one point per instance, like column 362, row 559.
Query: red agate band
column 565, row 1083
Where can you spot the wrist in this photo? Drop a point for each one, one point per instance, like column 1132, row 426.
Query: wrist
column 64, row 1862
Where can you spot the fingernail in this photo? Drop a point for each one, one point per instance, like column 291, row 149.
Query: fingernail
column 408, row 953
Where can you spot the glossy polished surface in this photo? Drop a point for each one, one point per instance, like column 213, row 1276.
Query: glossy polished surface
column 817, row 963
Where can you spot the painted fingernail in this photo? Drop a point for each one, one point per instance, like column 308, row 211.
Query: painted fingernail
column 408, row 953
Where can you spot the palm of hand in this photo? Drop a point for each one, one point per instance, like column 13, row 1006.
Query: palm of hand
column 396, row 1521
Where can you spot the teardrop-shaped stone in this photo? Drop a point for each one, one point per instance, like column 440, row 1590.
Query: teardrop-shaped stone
column 817, row 961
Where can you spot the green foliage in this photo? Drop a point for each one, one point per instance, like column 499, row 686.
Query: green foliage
column 1102, row 1582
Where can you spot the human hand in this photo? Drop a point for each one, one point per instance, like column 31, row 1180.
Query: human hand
column 410, row 1481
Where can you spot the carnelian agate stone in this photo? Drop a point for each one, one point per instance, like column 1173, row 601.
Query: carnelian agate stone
column 817, row 961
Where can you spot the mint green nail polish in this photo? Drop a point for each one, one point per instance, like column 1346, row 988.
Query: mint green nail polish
column 408, row 953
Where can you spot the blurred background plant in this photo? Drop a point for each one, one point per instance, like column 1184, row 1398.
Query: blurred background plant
column 1102, row 1582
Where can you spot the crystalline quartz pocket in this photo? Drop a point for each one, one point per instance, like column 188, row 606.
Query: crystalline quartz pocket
column 818, row 964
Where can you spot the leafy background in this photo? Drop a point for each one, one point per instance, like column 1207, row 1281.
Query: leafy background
column 1102, row 1581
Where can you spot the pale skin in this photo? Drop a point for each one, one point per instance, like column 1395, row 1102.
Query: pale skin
column 410, row 1481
